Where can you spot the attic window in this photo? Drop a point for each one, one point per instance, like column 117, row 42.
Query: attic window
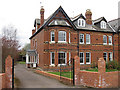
column 103, row 25
column 81, row 22
column 59, row 22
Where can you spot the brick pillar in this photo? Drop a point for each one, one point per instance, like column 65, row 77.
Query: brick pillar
column 76, row 70
column 8, row 72
column 101, row 72
column 101, row 65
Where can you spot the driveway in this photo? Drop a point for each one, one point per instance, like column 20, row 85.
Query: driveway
column 29, row 79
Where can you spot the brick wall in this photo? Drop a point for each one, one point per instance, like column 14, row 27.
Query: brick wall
column 2, row 81
column 63, row 79
column 6, row 78
column 100, row 79
column 96, row 47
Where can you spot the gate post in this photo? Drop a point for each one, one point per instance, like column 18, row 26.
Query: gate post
column 8, row 72
column 76, row 70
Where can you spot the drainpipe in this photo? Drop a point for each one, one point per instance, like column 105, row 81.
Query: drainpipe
column 113, row 47
column 78, row 43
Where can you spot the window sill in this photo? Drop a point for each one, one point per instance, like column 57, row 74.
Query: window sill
column 52, row 65
column 104, row 44
column 88, row 63
column 81, row 63
column 62, row 42
column 81, row 43
column 52, row 42
column 61, row 64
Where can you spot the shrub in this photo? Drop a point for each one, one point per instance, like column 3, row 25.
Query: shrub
column 94, row 65
column 112, row 65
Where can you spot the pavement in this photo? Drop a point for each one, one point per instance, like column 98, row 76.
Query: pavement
column 29, row 79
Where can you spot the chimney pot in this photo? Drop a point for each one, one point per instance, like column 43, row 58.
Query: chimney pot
column 88, row 15
column 42, row 16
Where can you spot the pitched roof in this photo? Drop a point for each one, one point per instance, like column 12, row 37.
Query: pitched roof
column 115, row 24
column 51, row 17
column 77, row 17
column 99, row 20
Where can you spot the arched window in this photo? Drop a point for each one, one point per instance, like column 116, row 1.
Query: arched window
column 81, row 22
column 103, row 25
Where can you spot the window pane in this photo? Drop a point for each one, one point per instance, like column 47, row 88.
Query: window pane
column 110, row 56
column 62, row 36
column 110, row 39
column 81, row 57
column 61, row 58
column 105, row 56
column 52, row 36
column 88, row 38
column 81, row 38
column 87, row 57
column 104, row 39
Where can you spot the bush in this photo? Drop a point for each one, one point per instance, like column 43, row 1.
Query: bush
column 94, row 65
column 112, row 65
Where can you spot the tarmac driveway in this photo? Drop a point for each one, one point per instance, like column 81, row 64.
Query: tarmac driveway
column 29, row 79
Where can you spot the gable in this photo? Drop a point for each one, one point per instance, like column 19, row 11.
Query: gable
column 60, row 17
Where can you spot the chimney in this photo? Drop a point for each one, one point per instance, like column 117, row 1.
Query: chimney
column 33, row 31
column 88, row 15
column 41, row 16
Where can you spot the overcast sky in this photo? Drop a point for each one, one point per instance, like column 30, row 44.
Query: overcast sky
column 22, row 13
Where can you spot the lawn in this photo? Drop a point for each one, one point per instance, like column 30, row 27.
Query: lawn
column 64, row 74
column 96, row 70
column 21, row 62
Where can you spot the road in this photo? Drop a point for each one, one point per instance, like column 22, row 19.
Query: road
column 29, row 79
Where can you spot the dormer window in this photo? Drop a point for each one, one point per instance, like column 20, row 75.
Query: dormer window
column 81, row 22
column 103, row 25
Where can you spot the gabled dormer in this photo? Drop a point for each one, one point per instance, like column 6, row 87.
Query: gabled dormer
column 101, row 23
column 79, row 21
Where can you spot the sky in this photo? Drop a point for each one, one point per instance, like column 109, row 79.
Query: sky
column 22, row 13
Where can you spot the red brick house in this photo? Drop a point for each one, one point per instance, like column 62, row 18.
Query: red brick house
column 59, row 38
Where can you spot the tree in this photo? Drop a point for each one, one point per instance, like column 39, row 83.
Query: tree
column 10, row 43
column 23, row 51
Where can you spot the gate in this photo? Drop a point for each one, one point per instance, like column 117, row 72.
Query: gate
column 67, row 71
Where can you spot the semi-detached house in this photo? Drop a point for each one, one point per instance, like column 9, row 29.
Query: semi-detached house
column 59, row 38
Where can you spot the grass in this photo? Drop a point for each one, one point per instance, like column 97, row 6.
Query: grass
column 64, row 74
column 96, row 70
column 21, row 62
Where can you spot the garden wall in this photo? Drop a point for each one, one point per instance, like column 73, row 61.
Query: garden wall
column 6, row 78
column 100, row 79
column 60, row 78
column 2, row 81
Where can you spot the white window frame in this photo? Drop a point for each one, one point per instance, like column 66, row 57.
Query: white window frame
column 110, row 56
column 69, row 58
column 106, row 56
column 89, row 58
column 81, row 22
column 51, row 33
column 65, row 58
column 106, row 40
column 83, row 57
column 82, row 38
column 103, row 25
column 111, row 40
column 64, row 38
column 69, row 37
column 51, row 58
column 88, row 38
